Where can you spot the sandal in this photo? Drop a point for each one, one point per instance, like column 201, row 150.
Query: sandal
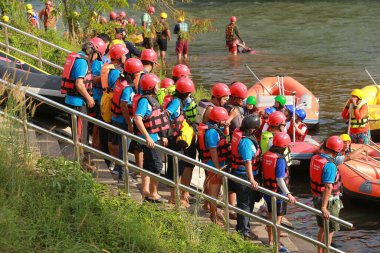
column 156, row 201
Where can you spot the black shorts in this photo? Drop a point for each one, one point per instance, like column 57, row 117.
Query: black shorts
column 152, row 160
column 162, row 44
column 282, row 206
column 169, row 172
column 148, row 43
column 135, row 146
column 191, row 152
column 112, row 136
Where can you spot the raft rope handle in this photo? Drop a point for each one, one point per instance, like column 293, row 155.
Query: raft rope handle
column 362, row 174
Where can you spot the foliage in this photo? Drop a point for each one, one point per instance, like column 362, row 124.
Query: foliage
column 53, row 206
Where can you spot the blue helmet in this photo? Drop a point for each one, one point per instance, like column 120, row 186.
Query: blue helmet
column 301, row 113
column 290, row 108
column 270, row 110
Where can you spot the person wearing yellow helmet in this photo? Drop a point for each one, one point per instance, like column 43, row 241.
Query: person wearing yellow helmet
column 5, row 19
column 163, row 34
column 121, row 38
column 29, row 7
column 356, row 112
column 348, row 154
column 182, row 29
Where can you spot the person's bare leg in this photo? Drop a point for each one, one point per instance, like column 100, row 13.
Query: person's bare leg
column 153, row 188
column 321, row 238
column 145, row 180
column 186, row 180
column 179, row 58
column 163, row 55
column 95, row 137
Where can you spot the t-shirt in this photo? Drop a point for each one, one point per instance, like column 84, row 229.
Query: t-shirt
column 246, row 149
column 174, row 108
column 281, row 168
column 144, row 109
column 329, row 171
column 161, row 30
column 212, row 139
column 146, row 18
column 96, row 68
column 126, row 96
column 79, row 70
column 113, row 75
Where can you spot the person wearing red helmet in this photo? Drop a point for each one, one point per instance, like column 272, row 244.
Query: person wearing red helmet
column 276, row 178
column 152, row 125
column 325, row 185
column 148, row 30
column 113, row 16
column 235, row 105
column 220, row 93
column 122, row 19
column 233, row 36
column 276, row 124
column 149, row 59
column 175, row 106
column 132, row 22
column 180, row 70
column 182, row 46
column 214, row 151
column 47, row 17
column 163, row 34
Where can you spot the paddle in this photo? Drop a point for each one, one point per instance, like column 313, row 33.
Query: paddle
column 253, row 73
column 370, row 76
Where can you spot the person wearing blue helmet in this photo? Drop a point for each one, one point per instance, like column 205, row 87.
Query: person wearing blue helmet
column 288, row 112
column 300, row 127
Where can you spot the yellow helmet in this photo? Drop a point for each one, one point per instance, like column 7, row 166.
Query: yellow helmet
column 29, row 7
column 345, row 137
column 164, row 15
column 5, row 19
column 181, row 18
column 115, row 42
column 357, row 93
column 76, row 14
column 30, row 12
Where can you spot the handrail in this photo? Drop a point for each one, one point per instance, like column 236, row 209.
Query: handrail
column 39, row 41
column 226, row 176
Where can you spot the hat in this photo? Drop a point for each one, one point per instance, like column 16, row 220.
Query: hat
column 120, row 30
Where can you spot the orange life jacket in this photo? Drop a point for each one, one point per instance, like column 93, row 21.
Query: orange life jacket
column 67, row 84
column 106, row 68
column 317, row 164
column 120, row 85
column 176, row 124
column 299, row 137
column 157, row 121
column 268, row 165
column 230, row 33
column 223, row 146
column 237, row 159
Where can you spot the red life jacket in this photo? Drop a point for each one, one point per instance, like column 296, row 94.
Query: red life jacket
column 119, row 87
column 317, row 164
column 157, row 121
column 176, row 124
column 230, row 34
column 67, row 84
column 268, row 165
column 299, row 137
column 237, row 159
column 223, row 147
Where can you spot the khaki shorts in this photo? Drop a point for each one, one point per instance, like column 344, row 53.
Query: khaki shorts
column 333, row 206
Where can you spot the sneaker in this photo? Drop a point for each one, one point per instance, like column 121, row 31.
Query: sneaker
column 250, row 236
column 112, row 166
column 283, row 249
column 232, row 215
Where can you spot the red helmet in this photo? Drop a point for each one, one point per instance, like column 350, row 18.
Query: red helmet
column 122, row 14
column 151, row 9
column 281, row 140
column 220, row 90
column 233, row 19
column 117, row 51
column 49, row 3
column 180, row 70
column 218, row 114
column 99, row 45
column 131, row 21
column 334, row 143
column 276, row 118
column 166, row 83
column 103, row 20
column 149, row 81
column 133, row 65
column 113, row 15
column 149, row 55
column 185, row 85
column 239, row 90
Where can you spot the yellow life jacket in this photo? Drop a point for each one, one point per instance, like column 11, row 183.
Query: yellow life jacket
column 264, row 141
column 358, row 123
column 106, row 101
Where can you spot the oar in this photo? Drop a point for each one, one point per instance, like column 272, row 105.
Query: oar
column 370, row 76
column 253, row 73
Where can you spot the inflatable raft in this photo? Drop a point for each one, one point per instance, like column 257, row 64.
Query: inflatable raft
column 372, row 96
column 269, row 87
column 361, row 180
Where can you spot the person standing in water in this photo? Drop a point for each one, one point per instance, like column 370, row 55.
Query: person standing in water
column 182, row 29
column 233, row 36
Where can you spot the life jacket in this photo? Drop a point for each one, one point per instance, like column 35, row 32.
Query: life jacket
column 201, row 109
column 157, row 121
column 135, row 101
column 358, row 123
column 264, row 141
column 34, row 20
column 161, row 94
column 230, row 33
column 106, row 68
column 268, row 165
column 257, row 133
column 299, row 137
column 317, row 164
column 183, row 30
column 237, row 159
column 176, row 124
column 67, row 84
column 223, row 146
column 120, row 85
column 236, row 122
column 191, row 110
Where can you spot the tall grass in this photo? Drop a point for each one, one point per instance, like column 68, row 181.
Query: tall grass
column 51, row 205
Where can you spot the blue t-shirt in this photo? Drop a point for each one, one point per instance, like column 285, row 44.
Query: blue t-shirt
column 281, row 168
column 144, row 109
column 174, row 108
column 246, row 149
column 79, row 70
column 96, row 68
column 329, row 171
column 113, row 75
column 212, row 139
column 126, row 96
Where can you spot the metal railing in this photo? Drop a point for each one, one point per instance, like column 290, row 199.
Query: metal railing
column 176, row 182
column 40, row 41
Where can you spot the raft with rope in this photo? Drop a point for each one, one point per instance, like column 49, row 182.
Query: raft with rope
column 268, row 88
column 371, row 95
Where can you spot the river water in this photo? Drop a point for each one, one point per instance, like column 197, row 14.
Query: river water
column 325, row 45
